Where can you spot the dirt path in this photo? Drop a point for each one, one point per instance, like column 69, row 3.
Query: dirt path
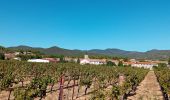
column 149, row 89
column 5, row 94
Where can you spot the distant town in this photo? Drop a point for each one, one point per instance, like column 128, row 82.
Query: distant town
column 32, row 56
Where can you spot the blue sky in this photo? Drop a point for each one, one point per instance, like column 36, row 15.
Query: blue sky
column 139, row 25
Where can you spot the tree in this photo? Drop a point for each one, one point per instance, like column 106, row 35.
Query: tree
column 26, row 57
column 162, row 65
column 2, row 56
column 2, row 49
column 110, row 63
column 120, row 63
column 169, row 61
column 125, row 59
column 54, row 56
column 78, row 60
column 62, row 59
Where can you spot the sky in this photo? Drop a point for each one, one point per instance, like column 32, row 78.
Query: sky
column 135, row 25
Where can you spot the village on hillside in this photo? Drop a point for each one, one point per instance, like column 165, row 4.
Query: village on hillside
column 33, row 57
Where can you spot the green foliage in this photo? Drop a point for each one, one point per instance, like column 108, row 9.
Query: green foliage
column 4, row 50
column 55, row 56
column 116, row 92
column 2, row 56
column 110, row 63
column 23, row 94
column 162, row 65
column 120, row 63
column 42, row 75
column 169, row 61
column 26, row 57
column 125, row 59
column 99, row 57
column 163, row 75
column 6, row 78
column 78, row 60
column 62, row 59
column 98, row 95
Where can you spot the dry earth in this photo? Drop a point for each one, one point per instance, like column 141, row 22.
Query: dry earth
column 148, row 89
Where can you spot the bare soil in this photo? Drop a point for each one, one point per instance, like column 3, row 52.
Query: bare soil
column 149, row 89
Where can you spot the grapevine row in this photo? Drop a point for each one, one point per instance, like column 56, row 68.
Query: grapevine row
column 163, row 76
column 91, row 77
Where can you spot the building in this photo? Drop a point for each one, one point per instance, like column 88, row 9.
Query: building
column 52, row 59
column 87, row 60
column 164, row 62
column 147, row 65
column 27, row 53
column 128, row 63
column 93, row 61
column 84, row 61
column 17, row 53
column 9, row 56
column 132, row 60
column 39, row 60
column 17, row 58
column 69, row 59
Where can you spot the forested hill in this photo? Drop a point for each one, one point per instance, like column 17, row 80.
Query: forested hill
column 152, row 54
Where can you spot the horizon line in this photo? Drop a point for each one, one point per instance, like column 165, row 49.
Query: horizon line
column 81, row 49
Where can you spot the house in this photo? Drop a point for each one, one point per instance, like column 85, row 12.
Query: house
column 27, row 53
column 84, row 61
column 92, row 61
column 87, row 60
column 17, row 53
column 39, row 60
column 9, row 56
column 128, row 63
column 164, row 62
column 68, row 59
column 147, row 65
column 132, row 60
column 52, row 59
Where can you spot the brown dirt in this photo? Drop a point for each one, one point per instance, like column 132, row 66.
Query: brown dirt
column 149, row 89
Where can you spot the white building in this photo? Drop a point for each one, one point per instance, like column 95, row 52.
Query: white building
column 147, row 65
column 87, row 60
column 39, row 60
column 17, row 58
column 84, row 61
column 17, row 53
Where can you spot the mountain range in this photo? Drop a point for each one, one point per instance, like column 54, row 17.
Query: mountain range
column 152, row 54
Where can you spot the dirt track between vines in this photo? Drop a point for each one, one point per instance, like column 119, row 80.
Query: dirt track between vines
column 148, row 89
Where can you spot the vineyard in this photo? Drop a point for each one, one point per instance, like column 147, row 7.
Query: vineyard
column 163, row 75
column 68, row 81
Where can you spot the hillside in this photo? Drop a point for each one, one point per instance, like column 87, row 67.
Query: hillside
column 152, row 54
